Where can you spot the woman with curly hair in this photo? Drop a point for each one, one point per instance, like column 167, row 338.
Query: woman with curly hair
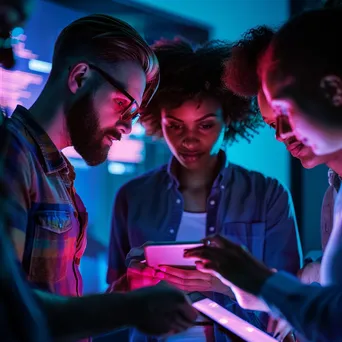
column 241, row 77
column 199, row 192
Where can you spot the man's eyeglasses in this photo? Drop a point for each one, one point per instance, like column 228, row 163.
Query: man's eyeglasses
column 283, row 127
column 132, row 110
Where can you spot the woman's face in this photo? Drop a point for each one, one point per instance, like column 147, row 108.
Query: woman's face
column 285, row 134
column 194, row 131
column 320, row 139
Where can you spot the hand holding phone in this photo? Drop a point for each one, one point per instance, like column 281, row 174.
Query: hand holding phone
column 169, row 254
column 140, row 275
column 186, row 280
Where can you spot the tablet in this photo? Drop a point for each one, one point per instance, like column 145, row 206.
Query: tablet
column 243, row 330
column 169, row 254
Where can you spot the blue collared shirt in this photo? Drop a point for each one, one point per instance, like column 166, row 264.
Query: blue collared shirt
column 312, row 310
column 244, row 206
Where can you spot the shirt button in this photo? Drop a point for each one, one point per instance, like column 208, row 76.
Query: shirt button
column 211, row 229
column 222, row 187
column 212, row 202
column 178, row 201
column 172, row 231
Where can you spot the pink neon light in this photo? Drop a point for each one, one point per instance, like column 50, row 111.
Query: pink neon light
column 14, row 83
column 21, row 51
column 126, row 151
column 129, row 151
column 13, row 86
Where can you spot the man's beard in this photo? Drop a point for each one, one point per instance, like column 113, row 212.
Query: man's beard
column 84, row 129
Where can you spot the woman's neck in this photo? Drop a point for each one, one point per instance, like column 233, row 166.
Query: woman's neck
column 201, row 178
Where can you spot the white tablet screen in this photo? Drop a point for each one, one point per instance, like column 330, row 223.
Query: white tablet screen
column 231, row 322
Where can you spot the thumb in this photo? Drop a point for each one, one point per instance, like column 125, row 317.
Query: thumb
column 201, row 267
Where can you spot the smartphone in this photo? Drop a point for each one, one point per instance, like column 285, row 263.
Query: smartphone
column 169, row 254
column 234, row 326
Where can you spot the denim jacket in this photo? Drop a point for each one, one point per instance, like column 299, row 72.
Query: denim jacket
column 244, row 206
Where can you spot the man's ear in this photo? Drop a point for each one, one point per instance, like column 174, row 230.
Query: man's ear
column 77, row 75
column 331, row 86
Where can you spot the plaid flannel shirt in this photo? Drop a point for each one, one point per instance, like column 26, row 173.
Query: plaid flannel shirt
column 47, row 218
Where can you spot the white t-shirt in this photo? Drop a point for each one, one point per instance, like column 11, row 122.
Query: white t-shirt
column 192, row 228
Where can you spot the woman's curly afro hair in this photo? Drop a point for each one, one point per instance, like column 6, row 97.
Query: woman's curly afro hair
column 187, row 73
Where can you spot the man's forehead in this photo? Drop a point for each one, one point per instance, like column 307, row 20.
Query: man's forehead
column 273, row 88
column 131, row 76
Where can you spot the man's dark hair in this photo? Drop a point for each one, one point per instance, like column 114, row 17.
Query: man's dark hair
column 241, row 72
column 305, row 50
column 332, row 3
column 100, row 38
column 188, row 73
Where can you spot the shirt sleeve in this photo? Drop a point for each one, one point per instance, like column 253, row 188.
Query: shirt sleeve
column 327, row 215
column 119, row 244
column 18, row 168
column 282, row 243
column 314, row 311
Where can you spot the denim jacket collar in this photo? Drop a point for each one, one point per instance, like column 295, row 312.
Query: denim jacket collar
column 53, row 159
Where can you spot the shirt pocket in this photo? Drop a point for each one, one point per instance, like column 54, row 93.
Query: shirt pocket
column 53, row 246
column 251, row 235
